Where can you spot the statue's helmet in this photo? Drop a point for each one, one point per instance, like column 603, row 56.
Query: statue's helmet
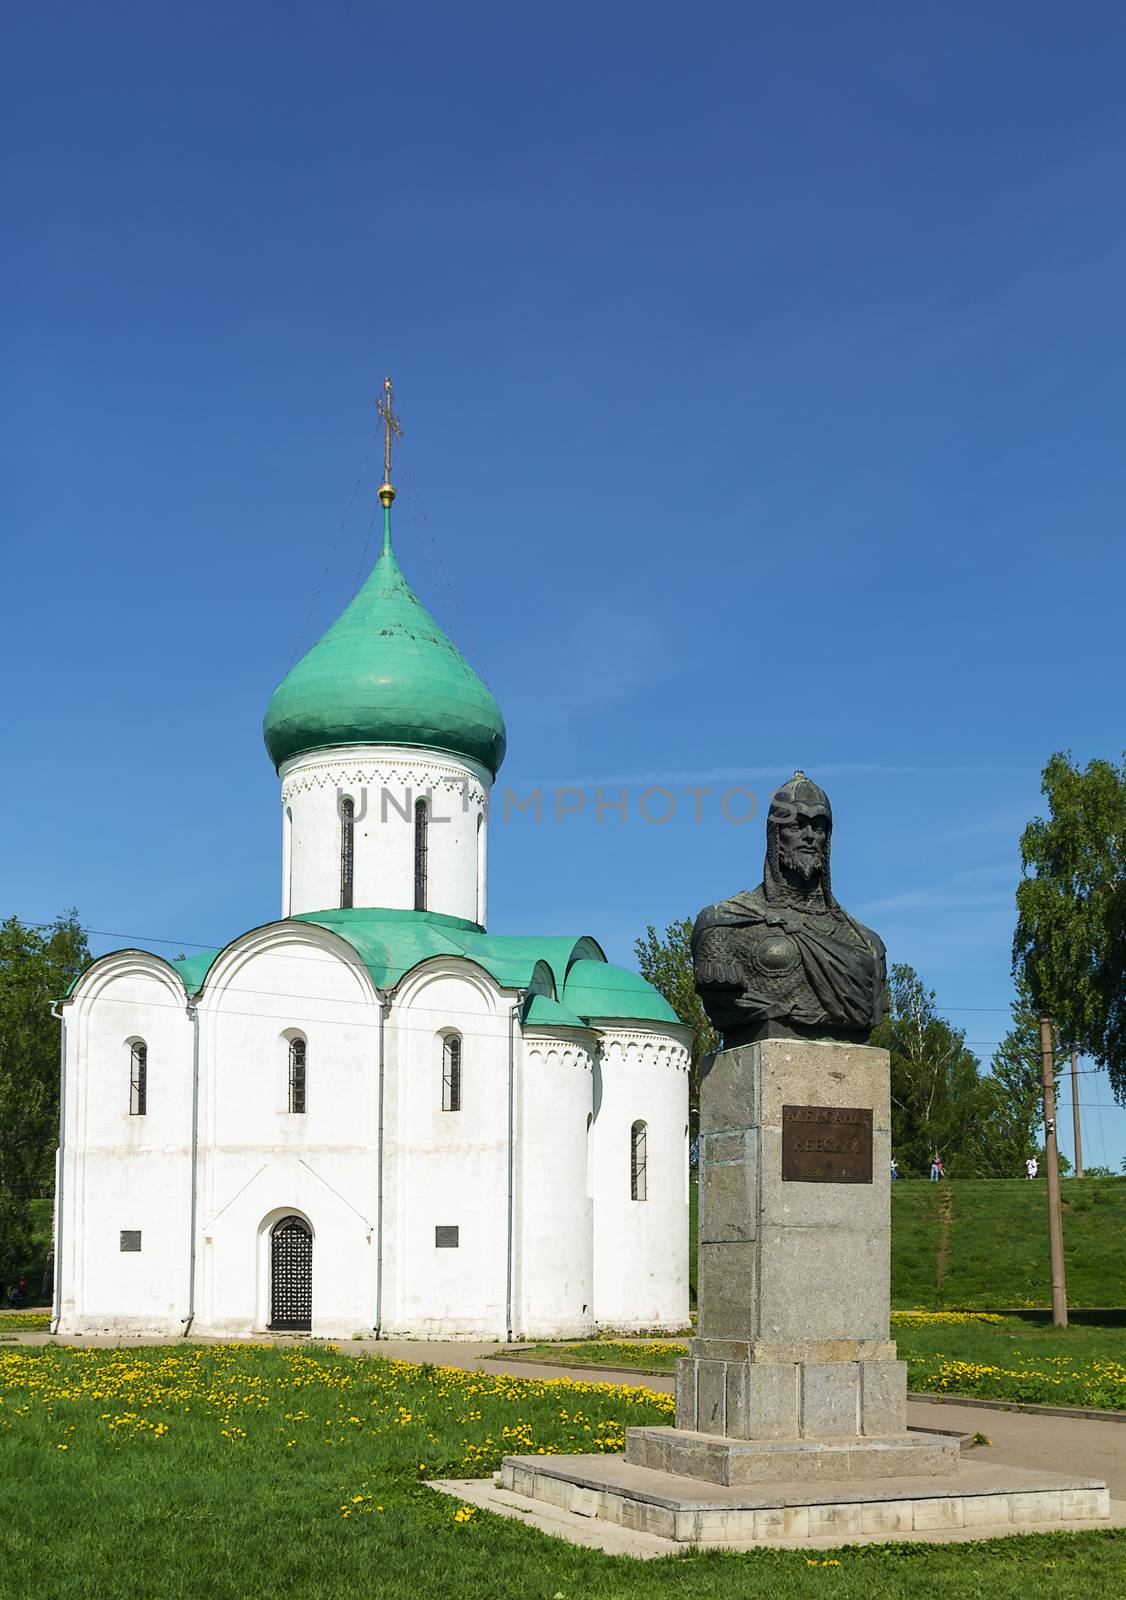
column 797, row 794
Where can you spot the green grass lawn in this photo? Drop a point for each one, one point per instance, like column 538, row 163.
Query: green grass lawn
column 1020, row 1359
column 1009, row 1358
column 227, row 1471
column 24, row 1322
column 981, row 1243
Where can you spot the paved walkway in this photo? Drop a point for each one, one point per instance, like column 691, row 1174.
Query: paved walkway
column 1019, row 1439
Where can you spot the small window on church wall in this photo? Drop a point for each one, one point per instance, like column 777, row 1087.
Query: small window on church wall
column 637, row 1142
column 451, row 1072
column 138, row 1078
column 297, row 1075
column 347, row 849
column 421, row 828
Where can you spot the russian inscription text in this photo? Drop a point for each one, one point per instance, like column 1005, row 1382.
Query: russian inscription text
column 826, row 1144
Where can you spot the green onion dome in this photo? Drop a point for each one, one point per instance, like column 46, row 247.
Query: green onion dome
column 385, row 673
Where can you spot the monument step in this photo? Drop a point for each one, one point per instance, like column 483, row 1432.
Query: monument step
column 977, row 1495
column 761, row 1461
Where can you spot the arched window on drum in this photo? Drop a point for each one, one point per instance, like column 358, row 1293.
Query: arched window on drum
column 347, row 851
column 421, row 853
column 638, row 1182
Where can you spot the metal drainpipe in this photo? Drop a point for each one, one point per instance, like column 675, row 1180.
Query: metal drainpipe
column 512, row 1015
column 384, row 1011
column 57, row 1295
column 193, row 1013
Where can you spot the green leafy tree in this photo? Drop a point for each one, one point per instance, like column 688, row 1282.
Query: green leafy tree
column 938, row 1101
column 37, row 966
column 1070, row 941
column 1014, row 1092
column 665, row 961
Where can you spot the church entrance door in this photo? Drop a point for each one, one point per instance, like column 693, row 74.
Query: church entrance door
column 291, row 1276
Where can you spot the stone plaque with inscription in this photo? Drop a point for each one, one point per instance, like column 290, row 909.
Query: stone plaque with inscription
column 826, row 1144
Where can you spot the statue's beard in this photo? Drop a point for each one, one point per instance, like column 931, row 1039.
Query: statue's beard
column 802, row 868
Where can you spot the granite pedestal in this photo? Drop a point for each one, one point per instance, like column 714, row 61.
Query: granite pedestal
column 795, row 1270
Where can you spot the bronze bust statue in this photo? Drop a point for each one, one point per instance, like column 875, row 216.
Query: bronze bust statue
column 785, row 960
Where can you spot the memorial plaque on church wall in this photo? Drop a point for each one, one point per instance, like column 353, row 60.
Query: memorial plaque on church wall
column 826, row 1144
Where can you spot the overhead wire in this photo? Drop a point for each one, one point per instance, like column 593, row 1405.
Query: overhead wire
column 219, row 945
column 332, row 555
column 360, row 570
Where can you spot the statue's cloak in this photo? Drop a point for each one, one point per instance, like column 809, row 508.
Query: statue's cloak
column 843, row 966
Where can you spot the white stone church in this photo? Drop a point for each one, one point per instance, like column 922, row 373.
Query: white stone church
column 370, row 1116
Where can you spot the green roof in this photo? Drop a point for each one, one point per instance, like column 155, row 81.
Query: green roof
column 193, row 969
column 571, row 982
column 385, row 673
column 390, row 943
column 597, row 989
column 543, row 1012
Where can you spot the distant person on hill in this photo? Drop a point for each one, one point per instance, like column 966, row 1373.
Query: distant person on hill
column 936, row 1167
column 894, row 1169
column 1032, row 1166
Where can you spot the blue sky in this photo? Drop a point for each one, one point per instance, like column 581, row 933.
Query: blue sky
column 762, row 372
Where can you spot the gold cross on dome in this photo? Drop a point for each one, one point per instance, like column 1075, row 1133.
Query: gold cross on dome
column 386, row 409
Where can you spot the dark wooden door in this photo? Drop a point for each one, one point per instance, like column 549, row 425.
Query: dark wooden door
column 291, row 1276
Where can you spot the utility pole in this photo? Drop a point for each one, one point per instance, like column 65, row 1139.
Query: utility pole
column 1051, row 1162
column 1075, row 1114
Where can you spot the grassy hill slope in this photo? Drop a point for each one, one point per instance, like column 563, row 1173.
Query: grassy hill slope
column 977, row 1244
column 980, row 1244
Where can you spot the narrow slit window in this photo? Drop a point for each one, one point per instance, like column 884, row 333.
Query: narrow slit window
column 138, row 1078
column 297, row 1076
column 480, row 870
column 287, row 861
column 421, row 829
column 637, row 1158
column 347, row 850
column 451, row 1072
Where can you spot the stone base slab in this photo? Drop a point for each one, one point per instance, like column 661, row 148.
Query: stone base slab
column 735, row 1462
column 595, row 1533
column 979, row 1498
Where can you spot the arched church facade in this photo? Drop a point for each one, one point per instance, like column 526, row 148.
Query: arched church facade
column 372, row 1116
